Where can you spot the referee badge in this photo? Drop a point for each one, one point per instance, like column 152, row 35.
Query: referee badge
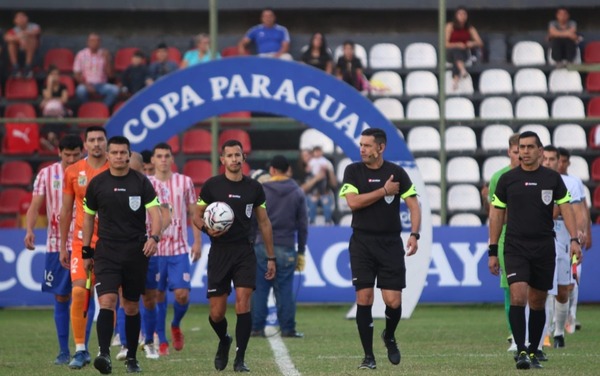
column 546, row 196
column 389, row 199
column 249, row 210
column 135, row 202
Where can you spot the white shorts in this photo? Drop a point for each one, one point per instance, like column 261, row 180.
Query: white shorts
column 562, row 271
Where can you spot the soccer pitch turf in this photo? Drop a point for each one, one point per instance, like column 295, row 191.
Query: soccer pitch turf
column 437, row 340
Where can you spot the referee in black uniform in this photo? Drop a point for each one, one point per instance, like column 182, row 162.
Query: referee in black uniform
column 120, row 197
column 529, row 193
column 231, row 256
column 373, row 189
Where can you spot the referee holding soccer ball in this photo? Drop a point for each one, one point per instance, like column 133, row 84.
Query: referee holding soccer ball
column 231, row 256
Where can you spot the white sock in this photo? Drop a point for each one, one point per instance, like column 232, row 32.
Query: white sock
column 560, row 318
column 573, row 297
column 80, row 347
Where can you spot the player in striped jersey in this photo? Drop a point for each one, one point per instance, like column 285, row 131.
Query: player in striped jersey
column 48, row 187
column 173, row 249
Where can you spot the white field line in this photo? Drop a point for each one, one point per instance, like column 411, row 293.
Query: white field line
column 282, row 357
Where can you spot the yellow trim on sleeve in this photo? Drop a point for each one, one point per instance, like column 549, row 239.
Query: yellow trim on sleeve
column 263, row 205
column 412, row 191
column 152, row 203
column 86, row 209
column 565, row 199
column 347, row 188
column 201, row 202
column 497, row 203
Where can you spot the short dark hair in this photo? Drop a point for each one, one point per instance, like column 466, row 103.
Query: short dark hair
column 161, row 46
column 119, row 140
column 70, row 142
column 146, row 156
column 348, row 42
column 139, row 54
column 162, row 145
column 564, row 152
column 528, row 134
column 552, row 149
column 231, row 143
column 94, row 128
column 377, row 133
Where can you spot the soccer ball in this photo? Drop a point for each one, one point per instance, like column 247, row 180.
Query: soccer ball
column 218, row 216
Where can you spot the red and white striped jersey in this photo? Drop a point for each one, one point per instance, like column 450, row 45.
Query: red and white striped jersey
column 48, row 183
column 180, row 194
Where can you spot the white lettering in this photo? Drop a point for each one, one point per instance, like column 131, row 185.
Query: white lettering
column 441, row 267
column 237, row 86
column 169, row 101
column 133, row 138
column 302, row 96
column 200, row 271
column 286, row 89
column 161, row 116
column 24, row 269
column 9, row 257
column 218, row 84
column 312, row 278
column 350, row 123
column 326, row 105
column 260, row 83
column 189, row 95
column 470, row 261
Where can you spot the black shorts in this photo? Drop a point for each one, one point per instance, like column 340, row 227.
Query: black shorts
column 230, row 263
column 531, row 261
column 376, row 256
column 118, row 264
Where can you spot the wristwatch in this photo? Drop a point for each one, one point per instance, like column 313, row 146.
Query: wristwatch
column 155, row 237
column 416, row 235
column 576, row 240
column 271, row 259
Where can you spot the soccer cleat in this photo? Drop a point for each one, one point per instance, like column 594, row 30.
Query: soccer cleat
column 577, row 325
column 240, row 366
column 368, row 362
column 293, row 334
column 222, row 356
column 88, row 357
column 103, row 364
column 163, row 349
column 523, row 361
column 150, row 351
column 62, row 358
column 177, row 338
column 559, row 342
column 79, row 360
column 535, row 363
column 116, row 340
column 540, row 355
column 392, row 348
column 132, row 366
column 122, row 355
column 513, row 346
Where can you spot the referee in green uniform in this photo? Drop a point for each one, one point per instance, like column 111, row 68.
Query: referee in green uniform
column 373, row 189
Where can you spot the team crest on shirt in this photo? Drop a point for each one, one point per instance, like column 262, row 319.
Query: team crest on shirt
column 135, row 202
column 249, row 210
column 82, row 180
column 56, row 184
column 546, row 196
column 388, row 199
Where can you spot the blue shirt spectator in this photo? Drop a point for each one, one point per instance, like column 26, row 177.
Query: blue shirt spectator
column 270, row 39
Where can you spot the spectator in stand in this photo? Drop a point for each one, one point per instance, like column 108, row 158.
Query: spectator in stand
column 22, row 42
column 134, row 77
column 269, row 38
column 349, row 68
column 563, row 37
column 162, row 66
column 201, row 54
column 92, row 68
column 319, row 193
column 148, row 168
column 317, row 54
column 55, row 95
column 461, row 38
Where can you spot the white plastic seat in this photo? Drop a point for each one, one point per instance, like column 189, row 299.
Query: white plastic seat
column 493, row 164
column 391, row 108
column 462, row 170
column 460, row 138
column 531, row 107
column 528, row 53
column 588, row 196
column 420, row 55
column 465, row 85
column 346, row 220
column 564, row 81
column 422, row 109
column 429, row 168
column 495, row 81
column 385, row 56
column 423, row 138
column 569, row 136
column 459, row 108
column 495, row 137
column 359, row 52
column 434, row 194
column 421, row 83
column 568, row 107
column 341, row 167
column 541, row 130
column 464, row 197
column 436, row 220
column 496, row 108
column 530, row 80
column 579, row 167
column 386, row 83
column 465, row 219
column 312, row 137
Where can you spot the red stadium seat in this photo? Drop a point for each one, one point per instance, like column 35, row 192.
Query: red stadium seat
column 596, row 169
column 62, row 58
column 593, row 108
column 9, row 223
column 123, row 58
column 20, row 110
column 596, row 198
column 198, row 170
column 93, row 110
column 16, row 173
column 236, row 134
column 11, row 199
column 21, row 88
column 174, row 144
column 21, row 138
column 197, row 141
column 174, row 167
column 173, row 54
column 232, row 51
column 44, row 164
column 236, row 115
column 245, row 169
column 592, row 52
column 69, row 83
column 594, row 137
column 117, row 106
column 592, row 82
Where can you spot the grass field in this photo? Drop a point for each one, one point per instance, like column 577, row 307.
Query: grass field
column 437, row 340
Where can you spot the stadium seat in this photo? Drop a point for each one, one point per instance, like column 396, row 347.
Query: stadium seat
column 495, row 137
column 596, row 199
column 593, row 108
column 531, row 107
column 595, row 169
column 462, row 170
column 391, row 108
column 342, row 205
column 9, row 223
column 569, row 136
column 385, row 56
column 197, row 141
column 423, row 138
column 236, row 134
column 10, row 200
column 434, row 194
column 592, row 82
column 579, row 167
column 238, row 119
column 430, row 169
column 421, row 83
column 594, row 138
column 232, row 51
column 528, row 53
column 62, row 58
column 173, row 54
column 123, row 58
column 386, row 83
column 568, row 107
column 465, row 219
column 359, row 52
column 43, row 165
column 20, row 138
column 493, row 164
column 341, row 167
column 460, row 138
column 465, row 85
column 564, row 81
column 346, row 220
column 436, row 220
column 541, row 130
column 496, row 108
column 69, row 83
column 20, row 110
column 420, row 55
column 312, row 137
column 495, row 81
column 93, row 110
column 422, row 109
column 198, row 170
column 530, row 80
column 459, row 109
column 16, row 173
column 464, row 197
column 174, row 144
column 592, row 52
column 21, row 88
